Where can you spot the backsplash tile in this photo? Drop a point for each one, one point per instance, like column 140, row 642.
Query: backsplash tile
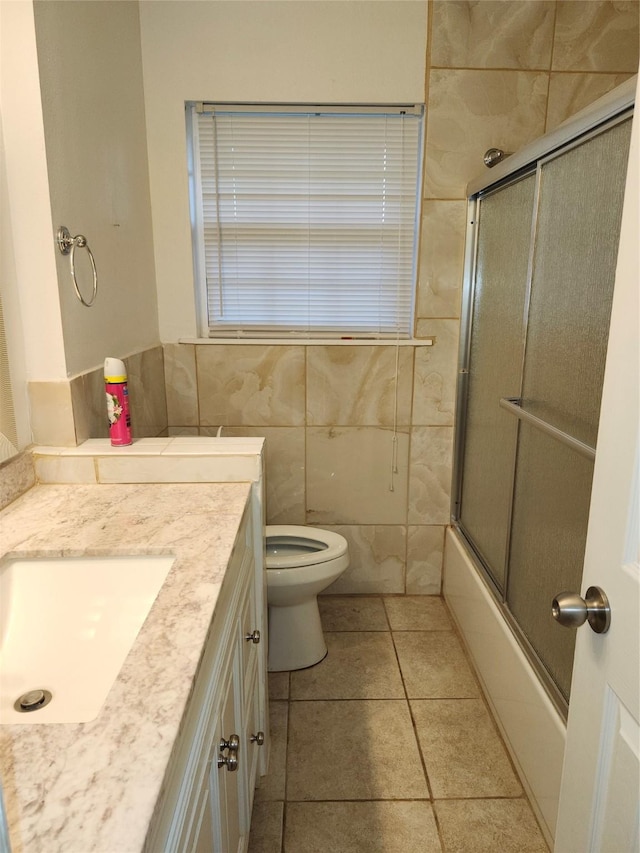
column 90, row 406
column 52, row 420
column 181, row 384
column 147, row 396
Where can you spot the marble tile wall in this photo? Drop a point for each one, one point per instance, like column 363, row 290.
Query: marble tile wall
column 328, row 412
column 499, row 73
column 66, row 413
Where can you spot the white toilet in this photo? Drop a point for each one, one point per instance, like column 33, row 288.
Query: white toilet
column 301, row 562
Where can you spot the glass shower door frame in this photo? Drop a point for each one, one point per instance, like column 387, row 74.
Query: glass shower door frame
column 474, row 214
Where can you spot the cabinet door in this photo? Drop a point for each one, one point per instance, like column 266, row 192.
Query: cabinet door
column 255, row 740
column 219, row 827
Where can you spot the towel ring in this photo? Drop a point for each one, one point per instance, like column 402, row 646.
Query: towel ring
column 68, row 245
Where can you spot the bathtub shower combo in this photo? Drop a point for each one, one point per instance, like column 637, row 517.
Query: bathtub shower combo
column 541, row 255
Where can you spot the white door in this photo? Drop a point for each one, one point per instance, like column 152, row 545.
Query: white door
column 599, row 796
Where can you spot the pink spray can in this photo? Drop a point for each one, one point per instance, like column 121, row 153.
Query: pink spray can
column 115, row 384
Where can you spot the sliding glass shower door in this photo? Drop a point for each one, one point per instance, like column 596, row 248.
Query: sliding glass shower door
column 544, row 268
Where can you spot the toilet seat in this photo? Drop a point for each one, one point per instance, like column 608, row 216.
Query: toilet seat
column 301, row 546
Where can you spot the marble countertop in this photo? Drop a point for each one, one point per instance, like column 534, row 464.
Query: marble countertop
column 92, row 787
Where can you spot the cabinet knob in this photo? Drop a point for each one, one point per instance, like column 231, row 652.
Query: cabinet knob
column 258, row 738
column 253, row 637
column 229, row 761
column 232, row 743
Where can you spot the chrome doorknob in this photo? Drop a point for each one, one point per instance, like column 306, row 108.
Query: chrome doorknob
column 572, row 611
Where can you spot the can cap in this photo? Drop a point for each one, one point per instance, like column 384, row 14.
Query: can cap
column 114, row 370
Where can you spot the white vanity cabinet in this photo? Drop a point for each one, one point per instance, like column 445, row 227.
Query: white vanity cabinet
column 206, row 802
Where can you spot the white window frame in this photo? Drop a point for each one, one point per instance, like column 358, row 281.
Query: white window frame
column 395, row 328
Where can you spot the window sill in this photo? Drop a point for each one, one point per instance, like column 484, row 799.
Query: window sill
column 310, row 342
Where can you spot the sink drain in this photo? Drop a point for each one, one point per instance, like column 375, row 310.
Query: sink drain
column 33, row 700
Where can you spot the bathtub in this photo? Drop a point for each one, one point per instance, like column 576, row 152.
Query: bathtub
column 532, row 728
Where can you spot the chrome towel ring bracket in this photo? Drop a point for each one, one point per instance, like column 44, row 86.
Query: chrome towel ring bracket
column 68, row 245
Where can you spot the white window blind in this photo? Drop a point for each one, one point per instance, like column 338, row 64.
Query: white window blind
column 306, row 221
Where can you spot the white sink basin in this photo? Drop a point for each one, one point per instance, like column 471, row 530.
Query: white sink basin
column 66, row 626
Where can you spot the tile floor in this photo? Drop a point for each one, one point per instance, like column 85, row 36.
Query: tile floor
column 386, row 746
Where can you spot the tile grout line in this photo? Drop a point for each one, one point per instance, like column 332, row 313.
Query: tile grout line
column 431, row 798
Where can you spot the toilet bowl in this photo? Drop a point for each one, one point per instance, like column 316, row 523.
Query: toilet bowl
column 301, row 562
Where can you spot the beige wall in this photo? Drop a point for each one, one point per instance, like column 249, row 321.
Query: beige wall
column 90, row 65
column 498, row 74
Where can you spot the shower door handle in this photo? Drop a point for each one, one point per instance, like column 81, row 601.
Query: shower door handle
column 572, row 611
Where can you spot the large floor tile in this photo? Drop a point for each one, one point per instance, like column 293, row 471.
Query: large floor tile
column 345, row 751
column 271, row 787
column 265, row 835
column 352, row 613
column 463, row 753
column 278, row 685
column 434, row 665
column 377, row 827
column 359, row 665
column 485, row 826
column 417, row 613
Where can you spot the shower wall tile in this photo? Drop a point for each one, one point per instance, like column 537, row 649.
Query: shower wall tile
column 284, row 470
column 470, row 111
column 425, row 548
column 355, row 385
column 569, row 93
column 442, row 241
column 147, row 395
column 435, row 376
column 468, row 34
column 376, row 559
column 430, row 479
column 596, row 35
column 251, row 385
column 349, row 476
column 182, row 384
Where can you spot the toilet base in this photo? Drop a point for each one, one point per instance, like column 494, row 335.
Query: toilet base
column 296, row 640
